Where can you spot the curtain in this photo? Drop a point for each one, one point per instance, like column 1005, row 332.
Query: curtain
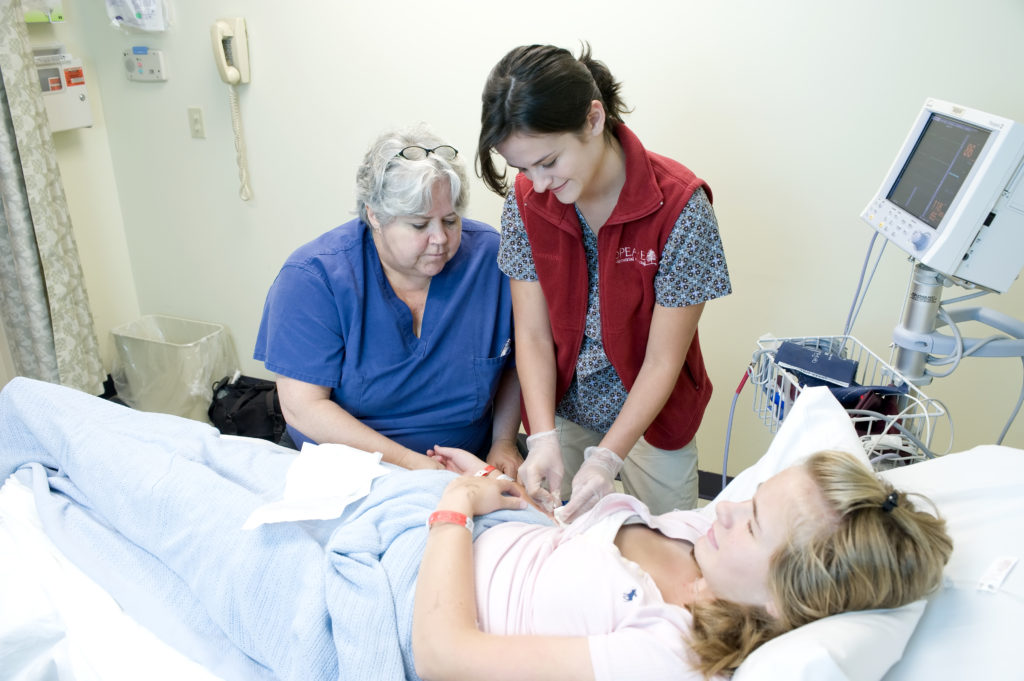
column 43, row 303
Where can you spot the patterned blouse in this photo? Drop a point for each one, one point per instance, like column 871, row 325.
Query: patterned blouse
column 691, row 270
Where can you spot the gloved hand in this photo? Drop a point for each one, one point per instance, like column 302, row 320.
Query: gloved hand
column 595, row 479
column 543, row 463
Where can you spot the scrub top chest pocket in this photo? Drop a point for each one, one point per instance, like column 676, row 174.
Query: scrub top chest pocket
column 487, row 372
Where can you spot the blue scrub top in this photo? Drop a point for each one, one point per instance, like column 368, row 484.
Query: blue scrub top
column 332, row 319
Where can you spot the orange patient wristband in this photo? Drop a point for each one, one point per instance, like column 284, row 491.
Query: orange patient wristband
column 453, row 517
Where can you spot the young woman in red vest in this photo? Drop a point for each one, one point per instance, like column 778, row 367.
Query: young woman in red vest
column 612, row 251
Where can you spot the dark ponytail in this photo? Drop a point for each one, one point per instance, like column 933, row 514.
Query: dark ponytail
column 608, row 87
column 541, row 89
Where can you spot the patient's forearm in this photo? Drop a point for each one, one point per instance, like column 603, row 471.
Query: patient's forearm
column 444, row 615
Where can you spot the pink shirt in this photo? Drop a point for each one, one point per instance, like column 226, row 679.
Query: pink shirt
column 572, row 581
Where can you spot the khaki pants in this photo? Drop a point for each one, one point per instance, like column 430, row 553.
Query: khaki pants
column 663, row 479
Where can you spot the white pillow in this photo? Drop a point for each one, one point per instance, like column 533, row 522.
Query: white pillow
column 854, row 646
column 816, row 421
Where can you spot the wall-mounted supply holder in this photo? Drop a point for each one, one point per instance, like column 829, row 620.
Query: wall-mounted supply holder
column 62, row 81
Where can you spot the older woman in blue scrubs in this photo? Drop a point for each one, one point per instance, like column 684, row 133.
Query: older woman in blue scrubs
column 393, row 332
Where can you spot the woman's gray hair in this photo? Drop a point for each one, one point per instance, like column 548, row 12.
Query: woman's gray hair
column 391, row 185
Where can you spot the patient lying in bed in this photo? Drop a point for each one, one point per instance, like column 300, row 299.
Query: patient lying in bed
column 151, row 507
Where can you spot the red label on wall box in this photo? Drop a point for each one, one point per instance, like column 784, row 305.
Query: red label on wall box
column 74, row 76
column 54, row 82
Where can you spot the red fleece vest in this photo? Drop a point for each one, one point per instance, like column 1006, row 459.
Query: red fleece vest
column 628, row 246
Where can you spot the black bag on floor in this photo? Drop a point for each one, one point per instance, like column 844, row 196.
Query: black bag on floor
column 248, row 406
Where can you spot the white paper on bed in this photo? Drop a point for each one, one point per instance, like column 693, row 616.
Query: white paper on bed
column 321, row 483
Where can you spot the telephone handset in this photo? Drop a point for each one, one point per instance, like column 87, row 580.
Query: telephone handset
column 231, row 49
column 231, row 52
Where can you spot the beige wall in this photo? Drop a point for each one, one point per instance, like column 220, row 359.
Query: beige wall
column 792, row 111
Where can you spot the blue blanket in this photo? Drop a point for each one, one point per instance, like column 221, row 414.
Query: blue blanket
column 150, row 506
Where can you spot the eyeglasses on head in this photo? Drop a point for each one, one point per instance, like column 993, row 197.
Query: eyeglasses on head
column 418, row 153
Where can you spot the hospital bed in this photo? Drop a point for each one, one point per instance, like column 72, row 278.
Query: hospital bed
column 58, row 623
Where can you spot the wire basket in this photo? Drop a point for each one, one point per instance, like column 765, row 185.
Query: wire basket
column 894, row 419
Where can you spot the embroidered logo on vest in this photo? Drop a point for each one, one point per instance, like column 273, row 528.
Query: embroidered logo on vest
column 631, row 254
column 629, row 595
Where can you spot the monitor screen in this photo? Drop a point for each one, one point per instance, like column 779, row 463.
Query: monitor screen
column 937, row 167
column 952, row 198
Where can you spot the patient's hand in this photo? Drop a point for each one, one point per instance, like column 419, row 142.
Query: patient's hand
column 466, row 463
column 456, row 460
column 416, row 461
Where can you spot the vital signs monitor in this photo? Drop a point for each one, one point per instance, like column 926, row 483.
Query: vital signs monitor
column 953, row 197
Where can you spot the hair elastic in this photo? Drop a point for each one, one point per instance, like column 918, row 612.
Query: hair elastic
column 891, row 502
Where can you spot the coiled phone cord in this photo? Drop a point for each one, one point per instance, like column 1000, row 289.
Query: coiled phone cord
column 243, row 165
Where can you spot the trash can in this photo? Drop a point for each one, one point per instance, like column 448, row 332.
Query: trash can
column 169, row 365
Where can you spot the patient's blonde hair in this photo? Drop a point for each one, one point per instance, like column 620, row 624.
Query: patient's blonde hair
column 877, row 551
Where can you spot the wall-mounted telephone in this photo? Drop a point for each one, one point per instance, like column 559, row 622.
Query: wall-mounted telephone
column 231, row 52
column 231, row 49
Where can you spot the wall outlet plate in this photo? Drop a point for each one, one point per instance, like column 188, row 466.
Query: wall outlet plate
column 195, row 122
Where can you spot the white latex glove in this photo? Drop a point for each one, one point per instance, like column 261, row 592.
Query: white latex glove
column 543, row 464
column 595, row 479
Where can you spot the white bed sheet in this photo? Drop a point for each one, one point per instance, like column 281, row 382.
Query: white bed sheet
column 967, row 632
column 56, row 624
